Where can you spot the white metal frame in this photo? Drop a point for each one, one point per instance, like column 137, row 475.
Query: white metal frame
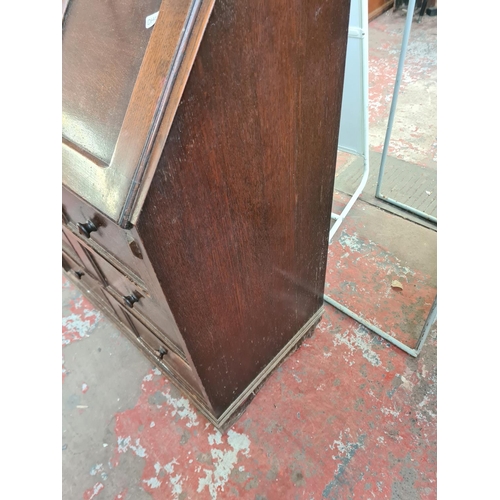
column 431, row 317
column 397, row 84
column 361, row 148
column 355, row 146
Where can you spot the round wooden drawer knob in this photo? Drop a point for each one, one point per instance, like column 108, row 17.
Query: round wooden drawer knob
column 161, row 352
column 131, row 299
column 87, row 228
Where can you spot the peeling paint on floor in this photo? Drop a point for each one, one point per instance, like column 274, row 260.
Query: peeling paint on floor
column 348, row 430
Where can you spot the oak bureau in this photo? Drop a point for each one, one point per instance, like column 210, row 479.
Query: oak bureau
column 199, row 142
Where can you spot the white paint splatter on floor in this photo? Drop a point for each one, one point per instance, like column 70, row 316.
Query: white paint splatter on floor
column 182, row 408
column 358, row 339
column 224, row 461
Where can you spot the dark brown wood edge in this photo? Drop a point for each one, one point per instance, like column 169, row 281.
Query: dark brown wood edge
column 158, row 292
column 200, row 404
column 72, row 259
column 136, row 199
column 203, row 406
column 235, row 409
column 161, row 108
column 238, row 412
column 380, row 10
column 70, row 251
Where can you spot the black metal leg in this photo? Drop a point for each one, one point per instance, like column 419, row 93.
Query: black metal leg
column 422, row 10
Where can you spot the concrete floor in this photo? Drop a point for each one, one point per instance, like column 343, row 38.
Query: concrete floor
column 346, row 416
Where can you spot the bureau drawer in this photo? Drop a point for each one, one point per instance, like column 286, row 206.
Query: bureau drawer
column 135, row 298
column 79, row 272
column 92, row 225
column 78, row 253
column 68, row 247
column 119, row 313
column 163, row 352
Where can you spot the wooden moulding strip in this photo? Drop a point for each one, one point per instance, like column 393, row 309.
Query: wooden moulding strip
column 167, row 107
column 269, row 368
column 380, row 10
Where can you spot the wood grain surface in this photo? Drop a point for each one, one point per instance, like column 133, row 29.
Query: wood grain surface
column 237, row 217
column 104, row 42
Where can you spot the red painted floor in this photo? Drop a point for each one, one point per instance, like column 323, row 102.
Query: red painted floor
column 347, row 416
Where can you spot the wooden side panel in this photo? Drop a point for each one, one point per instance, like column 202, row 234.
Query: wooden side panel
column 237, row 217
column 377, row 7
